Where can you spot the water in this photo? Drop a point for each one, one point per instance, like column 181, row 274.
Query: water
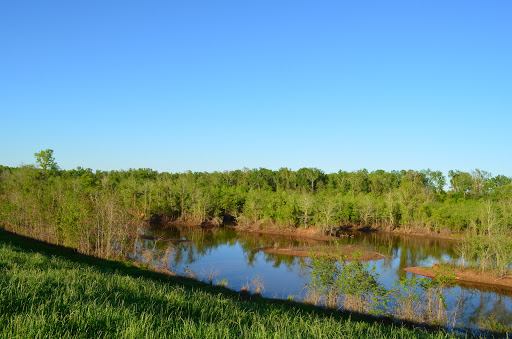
column 224, row 253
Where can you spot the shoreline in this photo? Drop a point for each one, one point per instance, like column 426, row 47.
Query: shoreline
column 312, row 232
column 316, row 234
column 467, row 277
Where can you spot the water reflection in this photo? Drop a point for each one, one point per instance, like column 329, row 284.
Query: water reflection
column 235, row 256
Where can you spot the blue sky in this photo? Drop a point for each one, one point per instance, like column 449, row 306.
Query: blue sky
column 222, row 85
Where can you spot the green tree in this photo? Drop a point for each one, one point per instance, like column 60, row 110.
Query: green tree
column 310, row 176
column 461, row 182
column 500, row 180
column 434, row 180
column 359, row 181
column 46, row 160
column 481, row 182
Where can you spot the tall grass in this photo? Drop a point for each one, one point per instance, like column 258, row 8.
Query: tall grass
column 49, row 293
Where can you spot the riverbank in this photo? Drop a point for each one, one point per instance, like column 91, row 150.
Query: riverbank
column 315, row 234
column 310, row 234
column 467, row 276
column 52, row 291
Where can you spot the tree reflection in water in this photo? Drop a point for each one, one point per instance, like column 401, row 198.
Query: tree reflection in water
column 236, row 256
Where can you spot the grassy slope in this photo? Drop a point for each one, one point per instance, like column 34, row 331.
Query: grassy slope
column 47, row 291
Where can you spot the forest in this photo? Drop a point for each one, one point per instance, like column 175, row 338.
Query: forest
column 92, row 211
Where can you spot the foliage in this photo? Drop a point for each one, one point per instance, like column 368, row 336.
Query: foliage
column 46, row 160
column 355, row 286
column 89, row 210
column 421, row 300
column 350, row 285
column 487, row 245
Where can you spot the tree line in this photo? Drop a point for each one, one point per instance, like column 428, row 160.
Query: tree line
column 94, row 210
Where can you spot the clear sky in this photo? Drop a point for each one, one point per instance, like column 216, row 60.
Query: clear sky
column 222, row 85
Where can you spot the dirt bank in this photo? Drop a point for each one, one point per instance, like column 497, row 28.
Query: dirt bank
column 468, row 277
column 313, row 233
column 346, row 232
column 297, row 233
column 333, row 252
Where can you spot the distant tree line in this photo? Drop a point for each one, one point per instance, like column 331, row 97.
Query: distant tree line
column 92, row 211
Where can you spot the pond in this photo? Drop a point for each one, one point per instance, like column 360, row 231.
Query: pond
column 231, row 256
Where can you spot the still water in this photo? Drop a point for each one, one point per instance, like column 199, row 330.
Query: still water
column 233, row 256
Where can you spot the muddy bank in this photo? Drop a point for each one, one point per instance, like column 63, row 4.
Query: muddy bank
column 424, row 233
column 430, row 235
column 314, row 236
column 341, row 231
column 344, row 232
column 349, row 252
column 311, row 234
column 468, row 277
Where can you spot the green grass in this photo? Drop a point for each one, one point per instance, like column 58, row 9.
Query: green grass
column 52, row 292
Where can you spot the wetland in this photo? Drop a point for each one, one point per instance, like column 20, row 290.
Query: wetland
column 238, row 258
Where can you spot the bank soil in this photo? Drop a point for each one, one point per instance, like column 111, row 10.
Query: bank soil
column 468, row 277
column 349, row 252
column 310, row 234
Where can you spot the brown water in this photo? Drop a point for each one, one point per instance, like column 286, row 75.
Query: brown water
column 224, row 253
